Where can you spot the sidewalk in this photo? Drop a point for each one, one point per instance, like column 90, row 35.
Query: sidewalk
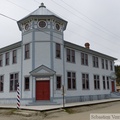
column 53, row 107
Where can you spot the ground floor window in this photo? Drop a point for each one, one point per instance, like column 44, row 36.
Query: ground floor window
column 58, row 82
column 96, row 82
column 27, row 83
column 85, row 81
column 71, row 79
column 108, row 85
column 13, row 81
column 1, row 83
column 104, row 85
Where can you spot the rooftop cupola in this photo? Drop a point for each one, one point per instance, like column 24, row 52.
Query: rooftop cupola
column 42, row 13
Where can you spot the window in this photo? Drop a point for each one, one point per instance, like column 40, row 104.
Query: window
column 95, row 62
column 106, row 63
column 13, row 81
column 108, row 86
column 58, row 82
column 58, row 51
column 102, row 61
column 27, row 83
column 57, row 26
column 14, row 56
column 104, row 86
column 96, row 82
column 111, row 66
column 42, row 24
column 84, row 59
column 27, row 51
column 85, row 81
column 71, row 77
column 1, row 83
column 1, row 60
column 70, row 55
column 7, row 58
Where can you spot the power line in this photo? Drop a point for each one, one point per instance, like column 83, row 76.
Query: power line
column 82, row 26
column 91, row 20
column 8, row 17
column 18, row 5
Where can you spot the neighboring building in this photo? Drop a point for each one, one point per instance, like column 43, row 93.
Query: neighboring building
column 42, row 62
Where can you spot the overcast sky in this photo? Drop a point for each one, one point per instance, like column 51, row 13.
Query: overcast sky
column 93, row 21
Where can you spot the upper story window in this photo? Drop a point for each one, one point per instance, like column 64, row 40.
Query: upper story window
column 104, row 84
column 70, row 55
column 106, row 64
column 13, row 81
column 27, row 83
column 111, row 66
column 95, row 62
column 85, row 81
column 96, row 82
column 7, row 59
column 58, row 50
column 1, row 60
column 1, row 83
column 27, row 51
column 84, row 59
column 71, row 79
column 58, row 82
column 14, row 56
column 103, row 64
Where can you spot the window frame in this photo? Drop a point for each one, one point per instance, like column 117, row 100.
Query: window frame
column 14, row 81
column 85, row 80
column 95, row 61
column 25, row 88
column 84, row 59
column 106, row 64
column 71, row 80
column 1, row 60
column 96, row 81
column 1, row 83
column 108, row 83
column 70, row 55
column 14, row 56
column 7, row 58
column 27, row 51
column 58, row 82
column 111, row 65
column 104, row 82
column 58, row 50
column 103, row 63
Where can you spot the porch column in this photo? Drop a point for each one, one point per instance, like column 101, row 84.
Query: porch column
column 51, row 88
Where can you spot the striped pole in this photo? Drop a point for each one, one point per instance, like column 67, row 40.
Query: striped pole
column 18, row 97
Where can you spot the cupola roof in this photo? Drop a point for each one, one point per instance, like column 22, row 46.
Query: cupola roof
column 42, row 12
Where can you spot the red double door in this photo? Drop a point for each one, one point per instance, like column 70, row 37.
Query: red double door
column 43, row 90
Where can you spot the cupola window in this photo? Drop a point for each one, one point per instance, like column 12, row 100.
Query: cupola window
column 42, row 24
column 57, row 26
column 27, row 26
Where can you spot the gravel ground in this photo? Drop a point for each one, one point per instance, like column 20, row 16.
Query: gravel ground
column 77, row 113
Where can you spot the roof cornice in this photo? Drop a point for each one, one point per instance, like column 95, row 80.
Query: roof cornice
column 89, row 51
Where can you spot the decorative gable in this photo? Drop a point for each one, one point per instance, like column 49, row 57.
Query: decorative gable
column 42, row 71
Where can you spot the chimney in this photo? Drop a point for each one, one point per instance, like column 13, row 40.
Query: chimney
column 87, row 45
